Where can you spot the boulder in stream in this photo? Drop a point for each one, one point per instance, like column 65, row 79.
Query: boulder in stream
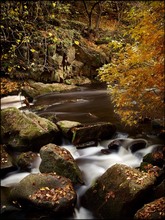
column 45, row 192
column 120, row 191
column 153, row 210
column 65, row 126
column 6, row 162
column 24, row 131
column 59, row 160
column 84, row 135
column 92, row 132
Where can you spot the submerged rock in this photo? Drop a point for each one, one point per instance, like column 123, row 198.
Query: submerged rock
column 120, row 191
column 46, row 192
column 59, row 160
column 25, row 160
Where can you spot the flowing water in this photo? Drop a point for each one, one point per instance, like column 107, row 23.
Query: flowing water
column 87, row 104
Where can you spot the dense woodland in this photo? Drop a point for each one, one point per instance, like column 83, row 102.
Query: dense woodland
column 135, row 71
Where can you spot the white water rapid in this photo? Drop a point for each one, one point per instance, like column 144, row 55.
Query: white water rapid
column 92, row 163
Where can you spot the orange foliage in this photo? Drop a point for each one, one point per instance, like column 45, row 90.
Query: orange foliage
column 135, row 75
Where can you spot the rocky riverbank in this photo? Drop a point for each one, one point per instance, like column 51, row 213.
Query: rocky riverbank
column 120, row 191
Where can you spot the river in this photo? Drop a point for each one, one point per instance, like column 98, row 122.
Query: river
column 87, row 104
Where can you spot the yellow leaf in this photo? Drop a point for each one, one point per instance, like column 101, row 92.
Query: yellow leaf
column 32, row 50
column 76, row 42
column 10, row 69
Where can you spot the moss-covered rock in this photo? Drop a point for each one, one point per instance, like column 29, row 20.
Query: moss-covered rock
column 37, row 88
column 65, row 126
column 26, row 131
column 59, row 160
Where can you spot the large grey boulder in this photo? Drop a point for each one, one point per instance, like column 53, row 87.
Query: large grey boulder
column 59, row 160
column 24, row 131
column 119, row 192
column 45, row 192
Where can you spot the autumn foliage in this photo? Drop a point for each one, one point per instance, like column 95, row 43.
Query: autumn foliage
column 135, row 75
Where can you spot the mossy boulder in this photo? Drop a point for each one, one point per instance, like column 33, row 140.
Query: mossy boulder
column 65, row 126
column 24, row 131
column 59, row 160
column 37, row 88
column 119, row 192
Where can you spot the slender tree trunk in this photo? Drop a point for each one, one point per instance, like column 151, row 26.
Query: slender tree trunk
column 89, row 13
column 98, row 19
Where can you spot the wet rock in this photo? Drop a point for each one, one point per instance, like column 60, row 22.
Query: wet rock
column 159, row 190
column 155, row 158
column 59, row 160
column 24, row 131
column 25, row 160
column 46, row 192
column 162, row 134
column 120, row 191
column 92, row 132
column 6, row 162
column 153, row 210
column 138, row 145
column 51, row 116
column 91, row 58
column 78, row 80
column 106, row 151
column 87, row 144
column 65, row 126
column 37, row 88
column 128, row 143
column 114, row 145
column 154, row 170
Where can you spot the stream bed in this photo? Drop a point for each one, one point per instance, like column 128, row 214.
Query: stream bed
column 87, row 104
